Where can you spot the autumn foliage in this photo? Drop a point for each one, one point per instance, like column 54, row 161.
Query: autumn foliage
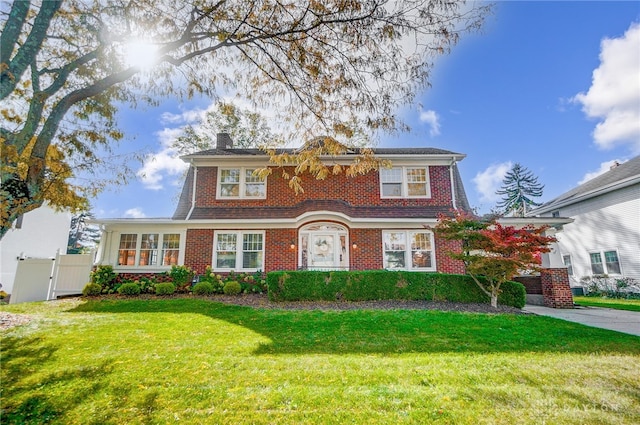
column 493, row 253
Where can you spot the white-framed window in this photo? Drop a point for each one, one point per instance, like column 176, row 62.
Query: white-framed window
column 238, row 251
column 148, row 249
column 405, row 182
column 605, row 262
column 566, row 260
column 240, row 183
column 408, row 250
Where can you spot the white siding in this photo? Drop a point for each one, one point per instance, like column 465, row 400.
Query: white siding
column 607, row 222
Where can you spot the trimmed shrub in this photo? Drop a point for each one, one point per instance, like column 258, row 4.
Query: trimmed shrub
column 513, row 294
column 203, row 288
column 129, row 288
column 383, row 285
column 165, row 288
column 232, row 288
column 91, row 290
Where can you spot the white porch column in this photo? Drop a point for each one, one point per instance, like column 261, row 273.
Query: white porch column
column 552, row 259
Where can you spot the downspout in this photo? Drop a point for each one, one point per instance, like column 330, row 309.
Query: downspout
column 193, row 191
column 453, row 185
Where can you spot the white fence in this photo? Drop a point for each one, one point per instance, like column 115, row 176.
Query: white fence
column 39, row 279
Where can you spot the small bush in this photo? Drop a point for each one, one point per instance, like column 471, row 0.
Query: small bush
column 232, row 288
column 104, row 276
column 203, row 288
column 181, row 277
column 165, row 288
column 130, row 288
column 91, row 290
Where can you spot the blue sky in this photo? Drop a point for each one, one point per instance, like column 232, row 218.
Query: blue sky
column 552, row 85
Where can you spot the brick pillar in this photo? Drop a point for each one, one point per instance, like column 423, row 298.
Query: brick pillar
column 555, row 288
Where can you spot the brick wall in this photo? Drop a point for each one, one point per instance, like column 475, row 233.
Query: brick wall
column 368, row 253
column 555, row 288
column 446, row 264
column 532, row 284
column 362, row 190
column 199, row 249
column 278, row 252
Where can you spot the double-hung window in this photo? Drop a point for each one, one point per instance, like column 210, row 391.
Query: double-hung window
column 240, row 183
column 566, row 260
column 405, row 182
column 605, row 262
column 408, row 250
column 240, row 251
column 148, row 249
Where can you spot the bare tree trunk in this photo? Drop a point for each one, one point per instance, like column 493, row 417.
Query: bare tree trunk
column 494, row 300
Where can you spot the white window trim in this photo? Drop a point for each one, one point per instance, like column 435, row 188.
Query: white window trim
column 239, row 237
column 405, row 183
column 151, row 267
column 573, row 267
column 242, row 184
column 407, row 252
column 604, row 261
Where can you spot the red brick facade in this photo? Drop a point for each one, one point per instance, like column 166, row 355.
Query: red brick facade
column 339, row 198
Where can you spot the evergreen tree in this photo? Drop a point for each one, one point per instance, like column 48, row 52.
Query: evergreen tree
column 518, row 187
column 82, row 236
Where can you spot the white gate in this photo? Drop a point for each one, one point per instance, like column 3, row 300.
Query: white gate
column 32, row 280
column 70, row 274
column 39, row 279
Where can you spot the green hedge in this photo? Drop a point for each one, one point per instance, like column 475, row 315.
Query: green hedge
column 384, row 285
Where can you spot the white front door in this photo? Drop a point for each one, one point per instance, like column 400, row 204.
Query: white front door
column 323, row 251
column 324, row 247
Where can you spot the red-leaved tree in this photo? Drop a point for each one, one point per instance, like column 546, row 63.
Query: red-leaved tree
column 493, row 253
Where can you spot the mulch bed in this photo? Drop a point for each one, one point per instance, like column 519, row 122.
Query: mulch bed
column 9, row 320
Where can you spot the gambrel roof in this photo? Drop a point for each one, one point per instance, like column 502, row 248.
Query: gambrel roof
column 220, row 212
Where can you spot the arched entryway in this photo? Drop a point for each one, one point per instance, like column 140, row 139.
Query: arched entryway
column 323, row 246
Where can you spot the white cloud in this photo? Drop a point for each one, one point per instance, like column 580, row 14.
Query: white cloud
column 488, row 181
column 432, row 118
column 614, row 95
column 134, row 213
column 604, row 167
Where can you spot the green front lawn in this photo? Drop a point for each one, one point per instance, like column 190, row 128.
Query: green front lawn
column 616, row 303
column 193, row 361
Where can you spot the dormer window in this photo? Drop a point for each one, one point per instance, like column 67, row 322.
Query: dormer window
column 404, row 182
column 240, row 183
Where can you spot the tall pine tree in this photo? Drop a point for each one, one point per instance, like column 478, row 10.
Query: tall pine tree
column 518, row 187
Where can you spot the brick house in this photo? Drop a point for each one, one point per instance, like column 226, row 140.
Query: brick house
column 231, row 220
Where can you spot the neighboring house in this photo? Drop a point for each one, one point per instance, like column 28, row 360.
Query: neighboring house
column 231, row 220
column 37, row 234
column 604, row 237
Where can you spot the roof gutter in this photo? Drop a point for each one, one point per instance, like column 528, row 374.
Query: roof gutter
column 193, row 191
column 453, row 185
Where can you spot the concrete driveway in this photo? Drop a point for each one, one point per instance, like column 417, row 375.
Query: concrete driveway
column 597, row 317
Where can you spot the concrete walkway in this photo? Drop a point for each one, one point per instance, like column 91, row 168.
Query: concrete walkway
column 597, row 317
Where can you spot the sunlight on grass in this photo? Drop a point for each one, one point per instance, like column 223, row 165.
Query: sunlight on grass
column 191, row 361
column 616, row 303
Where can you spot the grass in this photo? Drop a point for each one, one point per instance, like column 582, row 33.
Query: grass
column 193, row 361
column 615, row 303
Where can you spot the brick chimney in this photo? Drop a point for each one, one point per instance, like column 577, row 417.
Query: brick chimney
column 223, row 141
